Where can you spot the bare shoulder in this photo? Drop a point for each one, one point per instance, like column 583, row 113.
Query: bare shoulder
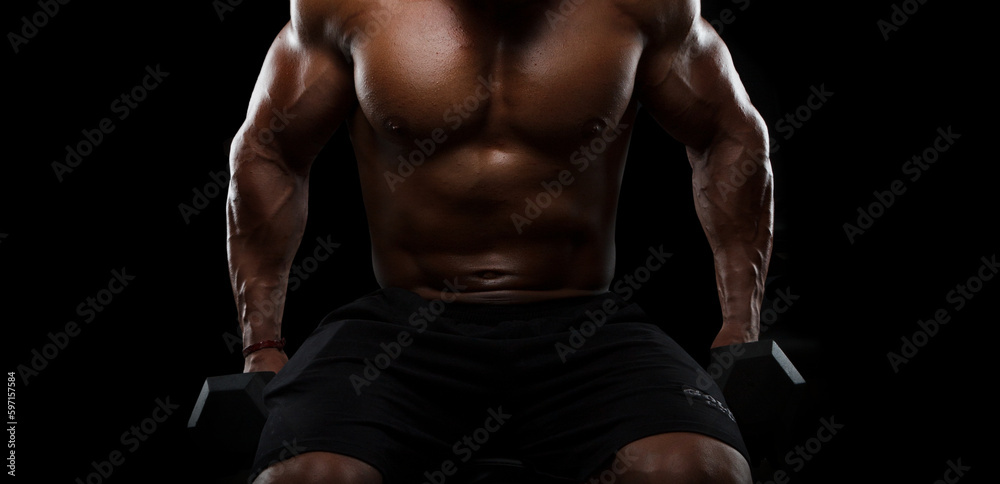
column 674, row 34
column 334, row 22
column 663, row 23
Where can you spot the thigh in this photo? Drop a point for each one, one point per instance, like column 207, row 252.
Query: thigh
column 676, row 457
column 360, row 389
column 626, row 382
column 319, row 468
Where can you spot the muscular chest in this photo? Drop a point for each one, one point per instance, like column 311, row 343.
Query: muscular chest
column 534, row 73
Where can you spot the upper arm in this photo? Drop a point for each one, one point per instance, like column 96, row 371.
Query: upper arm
column 691, row 88
column 303, row 94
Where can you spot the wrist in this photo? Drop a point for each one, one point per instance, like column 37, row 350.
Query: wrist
column 745, row 322
column 747, row 325
column 735, row 333
column 267, row 359
column 271, row 345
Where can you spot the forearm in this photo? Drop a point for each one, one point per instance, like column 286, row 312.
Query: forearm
column 267, row 208
column 733, row 187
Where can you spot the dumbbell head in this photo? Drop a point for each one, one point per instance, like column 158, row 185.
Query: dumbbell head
column 230, row 412
column 762, row 388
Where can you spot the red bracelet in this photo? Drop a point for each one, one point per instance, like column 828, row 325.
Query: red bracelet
column 269, row 343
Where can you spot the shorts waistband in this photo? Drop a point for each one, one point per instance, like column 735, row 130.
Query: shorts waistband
column 400, row 304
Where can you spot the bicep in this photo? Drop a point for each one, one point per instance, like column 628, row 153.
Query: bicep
column 694, row 92
column 303, row 94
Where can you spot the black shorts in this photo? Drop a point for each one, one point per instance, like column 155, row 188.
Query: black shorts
column 417, row 388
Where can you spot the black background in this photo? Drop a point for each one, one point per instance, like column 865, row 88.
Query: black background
column 163, row 334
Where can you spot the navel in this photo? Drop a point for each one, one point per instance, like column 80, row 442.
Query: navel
column 488, row 275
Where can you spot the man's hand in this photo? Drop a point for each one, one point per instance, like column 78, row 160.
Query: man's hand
column 267, row 359
column 732, row 334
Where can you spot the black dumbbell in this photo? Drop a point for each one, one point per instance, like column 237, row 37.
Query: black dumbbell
column 762, row 389
column 228, row 418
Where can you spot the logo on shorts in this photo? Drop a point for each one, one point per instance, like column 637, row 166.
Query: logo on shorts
column 711, row 401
